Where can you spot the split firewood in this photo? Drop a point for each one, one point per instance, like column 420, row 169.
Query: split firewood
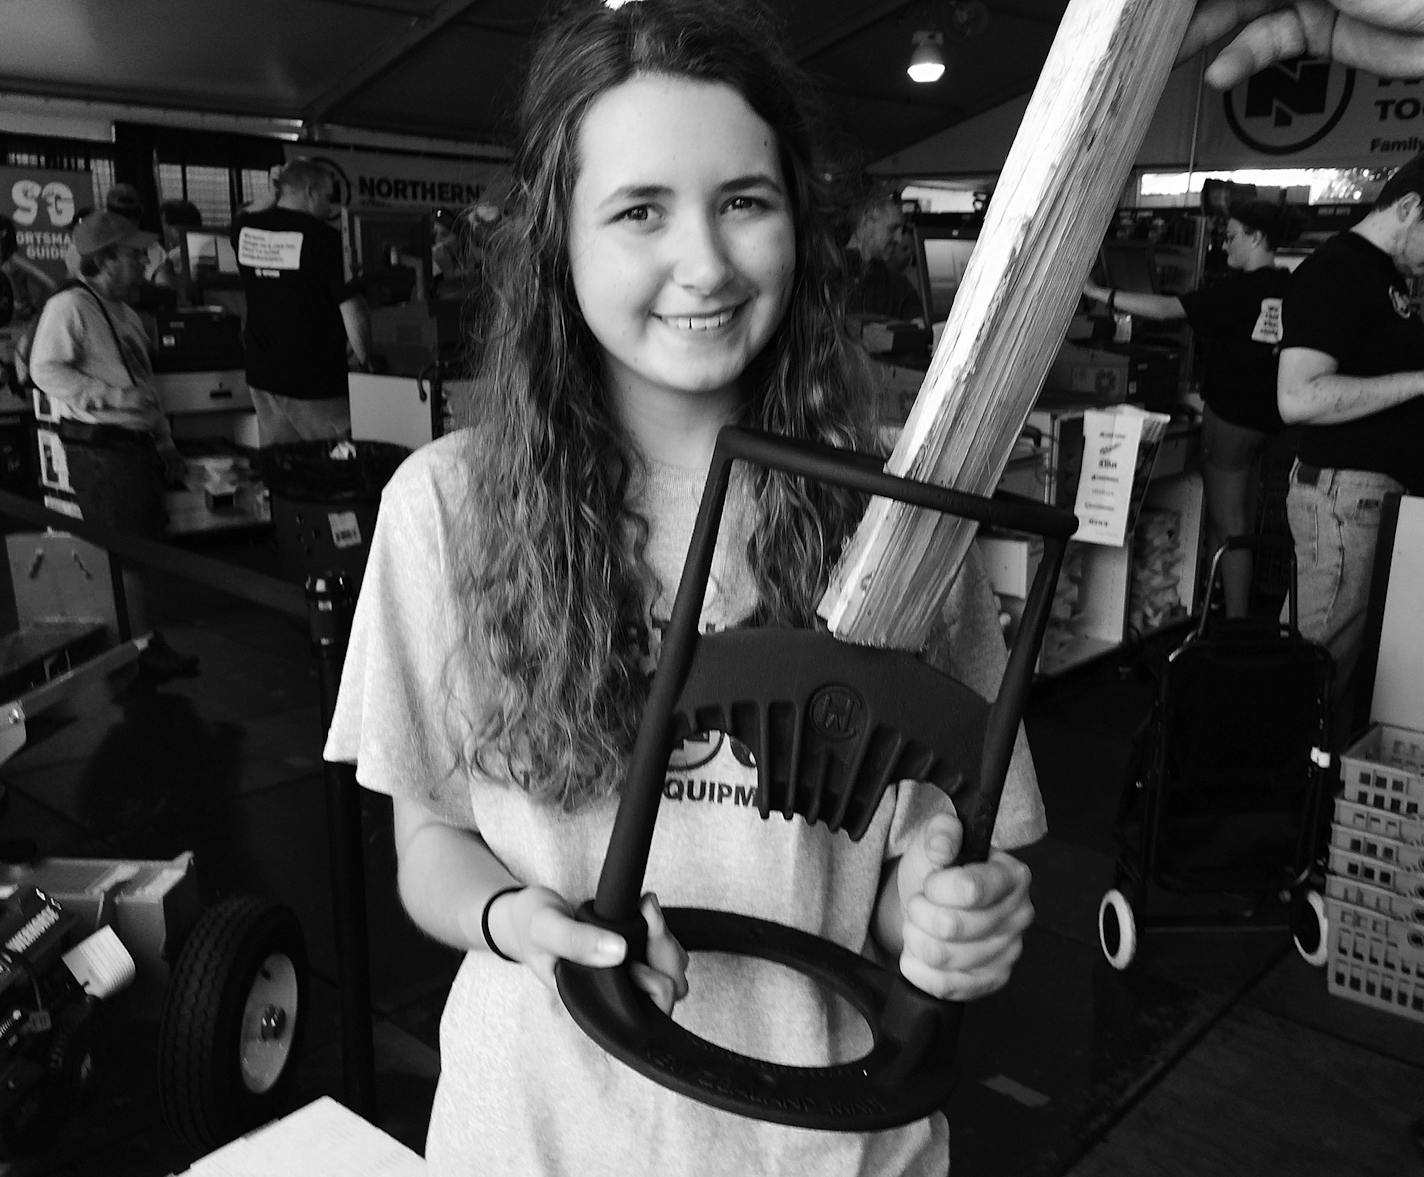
column 1061, row 182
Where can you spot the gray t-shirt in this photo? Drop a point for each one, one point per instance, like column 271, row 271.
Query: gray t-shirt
column 522, row 1090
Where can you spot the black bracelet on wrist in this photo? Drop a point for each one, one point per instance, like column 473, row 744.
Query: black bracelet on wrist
column 1112, row 301
column 485, row 928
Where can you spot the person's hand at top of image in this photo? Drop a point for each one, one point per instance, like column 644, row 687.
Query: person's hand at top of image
column 1385, row 37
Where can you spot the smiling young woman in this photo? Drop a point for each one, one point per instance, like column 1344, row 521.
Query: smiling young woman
column 682, row 256
column 665, row 268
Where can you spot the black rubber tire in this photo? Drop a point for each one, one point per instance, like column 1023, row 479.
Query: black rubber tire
column 204, row 1096
column 1310, row 926
column 1117, row 927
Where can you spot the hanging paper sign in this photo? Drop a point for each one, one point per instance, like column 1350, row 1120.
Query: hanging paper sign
column 1110, row 443
column 1119, row 450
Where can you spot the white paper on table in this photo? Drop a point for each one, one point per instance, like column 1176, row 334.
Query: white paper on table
column 1110, row 444
column 323, row 1139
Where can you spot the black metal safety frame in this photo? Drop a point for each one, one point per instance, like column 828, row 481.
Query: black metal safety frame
column 832, row 725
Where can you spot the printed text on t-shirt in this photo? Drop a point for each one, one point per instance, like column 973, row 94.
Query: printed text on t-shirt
column 1268, row 323
column 268, row 249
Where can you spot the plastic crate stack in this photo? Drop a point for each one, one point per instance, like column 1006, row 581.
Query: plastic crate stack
column 1374, row 892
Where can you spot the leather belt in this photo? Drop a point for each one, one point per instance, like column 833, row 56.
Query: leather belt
column 1306, row 474
column 105, row 436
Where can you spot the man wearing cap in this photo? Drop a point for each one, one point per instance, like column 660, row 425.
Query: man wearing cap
column 124, row 200
column 1352, row 372
column 300, row 313
column 90, row 356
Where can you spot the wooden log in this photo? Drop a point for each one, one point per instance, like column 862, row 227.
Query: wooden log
column 1063, row 177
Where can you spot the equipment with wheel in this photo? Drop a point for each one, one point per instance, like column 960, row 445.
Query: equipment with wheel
column 224, row 987
column 233, row 1021
column 1228, row 788
column 831, row 726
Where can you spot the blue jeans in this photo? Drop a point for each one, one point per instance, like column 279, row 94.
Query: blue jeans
column 285, row 419
column 1335, row 524
column 119, row 487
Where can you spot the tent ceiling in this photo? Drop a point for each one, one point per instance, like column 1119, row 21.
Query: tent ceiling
column 450, row 68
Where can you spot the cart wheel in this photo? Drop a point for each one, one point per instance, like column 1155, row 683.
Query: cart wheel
column 232, row 1022
column 1117, row 929
column 1309, row 927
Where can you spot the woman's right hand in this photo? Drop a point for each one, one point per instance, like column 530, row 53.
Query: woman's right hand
column 536, row 926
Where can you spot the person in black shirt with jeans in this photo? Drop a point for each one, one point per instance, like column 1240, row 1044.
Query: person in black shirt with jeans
column 1237, row 321
column 300, row 313
column 1352, row 372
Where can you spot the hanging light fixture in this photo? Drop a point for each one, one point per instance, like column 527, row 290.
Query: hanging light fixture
column 927, row 60
column 941, row 21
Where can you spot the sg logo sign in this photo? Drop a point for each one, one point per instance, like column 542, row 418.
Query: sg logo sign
column 56, row 198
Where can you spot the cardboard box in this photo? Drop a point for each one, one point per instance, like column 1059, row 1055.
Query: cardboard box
column 1089, row 374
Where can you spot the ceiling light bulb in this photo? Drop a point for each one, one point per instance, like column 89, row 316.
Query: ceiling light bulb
column 927, row 62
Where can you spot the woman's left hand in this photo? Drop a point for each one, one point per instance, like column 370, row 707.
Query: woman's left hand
column 963, row 926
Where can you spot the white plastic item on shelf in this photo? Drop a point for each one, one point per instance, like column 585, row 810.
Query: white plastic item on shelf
column 1384, row 769
column 1379, row 823
column 1375, row 960
column 1374, row 891
column 1385, row 900
column 1403, row 855
column 1377, row 872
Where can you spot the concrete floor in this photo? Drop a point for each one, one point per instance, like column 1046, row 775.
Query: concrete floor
column 1074, row 1069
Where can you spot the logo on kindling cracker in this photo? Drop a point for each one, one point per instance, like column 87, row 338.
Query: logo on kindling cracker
column 837, row 712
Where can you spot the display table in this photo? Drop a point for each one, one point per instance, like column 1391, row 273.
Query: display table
column 323, row 1139
column 221, row 492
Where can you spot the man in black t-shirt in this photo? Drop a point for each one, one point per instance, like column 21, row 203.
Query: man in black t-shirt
column 1352, row 372
column 300, row 313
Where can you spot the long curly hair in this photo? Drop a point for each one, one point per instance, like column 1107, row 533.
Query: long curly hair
column 561, row 583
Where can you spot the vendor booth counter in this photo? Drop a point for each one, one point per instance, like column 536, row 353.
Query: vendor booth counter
column 215, row 426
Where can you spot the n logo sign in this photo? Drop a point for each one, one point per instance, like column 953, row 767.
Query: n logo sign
column 1289, row 106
